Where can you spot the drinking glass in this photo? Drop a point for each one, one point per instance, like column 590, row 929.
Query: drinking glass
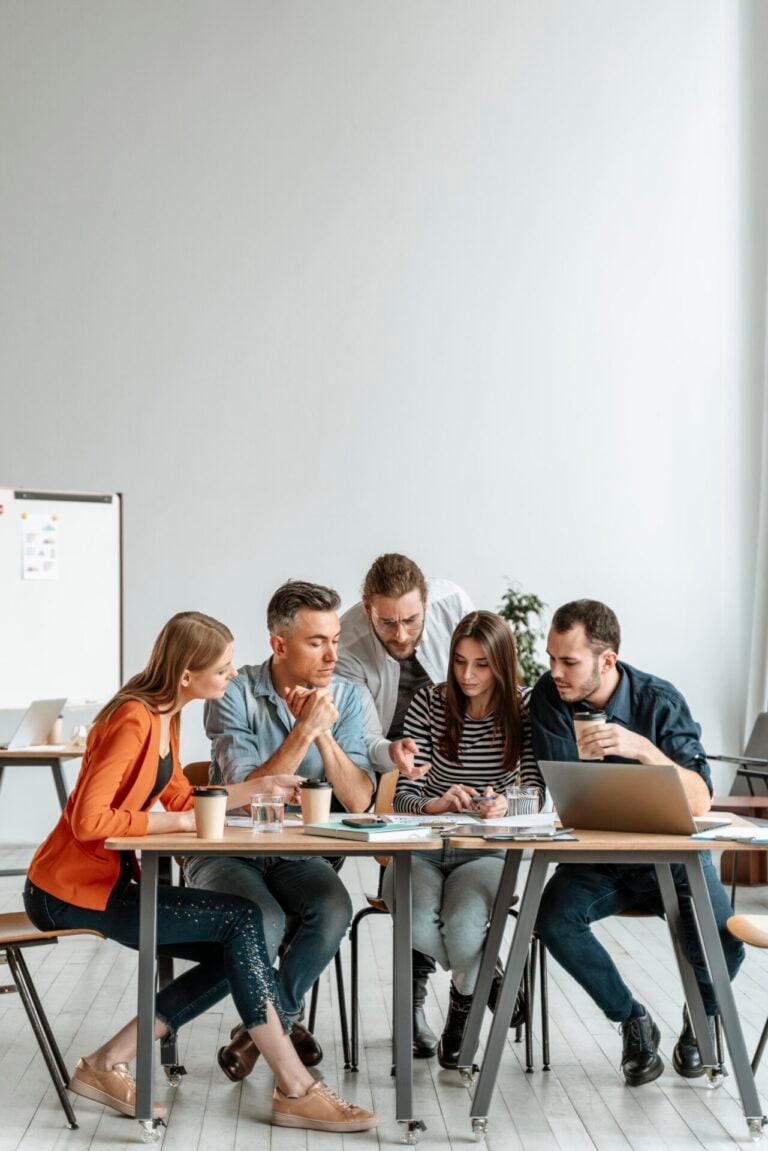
column 523, row 800
column 267, row 812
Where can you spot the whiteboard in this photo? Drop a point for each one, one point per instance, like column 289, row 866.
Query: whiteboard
column 61, row 619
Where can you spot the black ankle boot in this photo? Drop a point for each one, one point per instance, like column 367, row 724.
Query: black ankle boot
column 424, row 1038
column 518, row 1015
column 450, row 1041
column 686, row 1057
column 640, row 1059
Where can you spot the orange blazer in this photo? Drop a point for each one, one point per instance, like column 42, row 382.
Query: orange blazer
column 110, row 797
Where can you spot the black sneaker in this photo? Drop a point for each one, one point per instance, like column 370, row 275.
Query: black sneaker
column 686, row 1058
column 640, row 1059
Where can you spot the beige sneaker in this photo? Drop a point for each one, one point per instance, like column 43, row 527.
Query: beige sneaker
column 115, row 1088
column 319, row 1110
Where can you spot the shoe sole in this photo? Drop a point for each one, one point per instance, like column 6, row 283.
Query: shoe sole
column 77, row 1087
column 280, row 1120
column 85, row 1091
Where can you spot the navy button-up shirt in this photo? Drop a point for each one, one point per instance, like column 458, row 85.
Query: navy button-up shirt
column 642, row 703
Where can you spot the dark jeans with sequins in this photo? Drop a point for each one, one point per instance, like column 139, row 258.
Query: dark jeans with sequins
column 221, row 934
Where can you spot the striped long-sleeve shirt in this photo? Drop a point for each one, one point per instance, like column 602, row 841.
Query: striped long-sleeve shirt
column 480, row 754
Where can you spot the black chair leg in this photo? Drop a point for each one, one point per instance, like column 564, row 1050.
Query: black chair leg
column 544, row 999
column 49, row 1049
column 527, row 993
column 354, row 1005
column 342, row 997
column 313, row 1006
column 733, row 880
column 760, row 1047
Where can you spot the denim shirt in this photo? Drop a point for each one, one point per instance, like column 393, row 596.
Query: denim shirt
column 642, row 703
column 251, row 723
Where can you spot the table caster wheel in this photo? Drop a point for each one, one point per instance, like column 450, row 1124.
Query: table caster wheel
column 173, row 1073
column 715, row 1077
column 151, row 1130
column 755, row 1128
column 479, row 1129
column 412, row 1129
column 468, row 1074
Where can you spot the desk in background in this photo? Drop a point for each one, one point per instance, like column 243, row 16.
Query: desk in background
column 35, row 758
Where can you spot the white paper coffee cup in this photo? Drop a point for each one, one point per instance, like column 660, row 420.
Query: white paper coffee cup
column 582, row 720
column 316, row 795
column 210, row 811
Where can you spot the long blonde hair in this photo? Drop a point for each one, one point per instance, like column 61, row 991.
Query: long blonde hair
column 189, row 641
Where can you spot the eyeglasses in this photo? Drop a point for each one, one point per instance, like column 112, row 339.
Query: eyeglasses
column 392, row 626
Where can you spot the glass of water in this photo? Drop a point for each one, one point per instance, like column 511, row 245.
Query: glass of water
column 267, row 812
column 523, row 800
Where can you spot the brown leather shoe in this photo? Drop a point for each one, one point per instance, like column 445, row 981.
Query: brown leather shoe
column 319, row 1110
column 237, row 1060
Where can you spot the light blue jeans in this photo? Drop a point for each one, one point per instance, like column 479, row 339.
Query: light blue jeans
column 303, row 886
column 453, row 894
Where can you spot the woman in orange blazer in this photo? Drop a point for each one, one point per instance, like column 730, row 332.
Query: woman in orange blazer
column 130, row 761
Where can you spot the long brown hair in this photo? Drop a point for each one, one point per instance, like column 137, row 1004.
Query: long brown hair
column 189, row 641
column 498, row 644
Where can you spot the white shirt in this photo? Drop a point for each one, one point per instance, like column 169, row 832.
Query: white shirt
column 365, row 661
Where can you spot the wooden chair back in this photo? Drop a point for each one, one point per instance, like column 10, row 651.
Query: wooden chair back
column 197, row 772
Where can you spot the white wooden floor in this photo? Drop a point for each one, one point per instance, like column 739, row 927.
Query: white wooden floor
column 88, row 988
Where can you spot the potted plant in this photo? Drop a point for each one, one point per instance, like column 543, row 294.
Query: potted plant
column 523, row 613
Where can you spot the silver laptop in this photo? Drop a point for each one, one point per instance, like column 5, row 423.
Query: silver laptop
column 35, row 726
column 600, row 796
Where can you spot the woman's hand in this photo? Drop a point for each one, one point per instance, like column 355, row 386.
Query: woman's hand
column 285, row 785
column 187, row 820
column 458, row 797
column 491, row 806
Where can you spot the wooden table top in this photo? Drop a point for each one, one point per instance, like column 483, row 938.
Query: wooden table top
column 289, row 841
column 66, row 751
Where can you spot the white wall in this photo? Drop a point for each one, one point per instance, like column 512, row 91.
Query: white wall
column 307, row 282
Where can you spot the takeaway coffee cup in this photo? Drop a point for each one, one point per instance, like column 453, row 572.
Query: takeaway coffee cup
column 316, row 797
column 583, row 720
column 210, row 811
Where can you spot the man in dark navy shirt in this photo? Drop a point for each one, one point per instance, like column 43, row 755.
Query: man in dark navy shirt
column 648, row 721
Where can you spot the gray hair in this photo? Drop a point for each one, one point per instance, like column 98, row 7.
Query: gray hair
column 294, row 595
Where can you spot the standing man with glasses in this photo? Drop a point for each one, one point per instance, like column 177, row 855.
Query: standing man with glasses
column 393, row 643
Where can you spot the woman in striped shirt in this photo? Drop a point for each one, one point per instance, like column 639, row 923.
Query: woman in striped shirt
column 473, row 735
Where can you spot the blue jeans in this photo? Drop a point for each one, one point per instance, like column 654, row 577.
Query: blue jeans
column 223, row 936
column 453, row 893
column 579, row 894
column 306, row 887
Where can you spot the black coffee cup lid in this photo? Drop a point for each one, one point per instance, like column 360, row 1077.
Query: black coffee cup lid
column 213, row 790
column 588, row 715
column 314, row 783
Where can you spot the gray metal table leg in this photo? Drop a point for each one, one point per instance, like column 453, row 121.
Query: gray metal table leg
column 402, row 1021
column 58, row 779
column 721, row 984
column 490, row 955
column 146, row 1011
column 687, row 975
column 505, row 1005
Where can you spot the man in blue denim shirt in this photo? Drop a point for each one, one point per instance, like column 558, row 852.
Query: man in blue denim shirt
column 290, row 715
column 648, row 721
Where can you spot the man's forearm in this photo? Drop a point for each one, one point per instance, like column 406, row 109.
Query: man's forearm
column 696, row 791
column 351, row 786
column 286, row 760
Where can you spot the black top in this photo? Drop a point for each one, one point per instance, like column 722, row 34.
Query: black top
column 164, row 769
column 412, row 679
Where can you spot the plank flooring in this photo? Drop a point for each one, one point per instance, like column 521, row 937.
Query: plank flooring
column 88, row 988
